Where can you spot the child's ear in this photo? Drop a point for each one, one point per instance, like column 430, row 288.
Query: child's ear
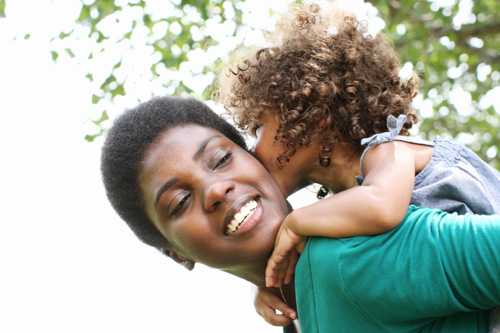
column 186, row 263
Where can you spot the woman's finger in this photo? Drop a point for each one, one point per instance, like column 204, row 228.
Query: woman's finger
column 273, row 318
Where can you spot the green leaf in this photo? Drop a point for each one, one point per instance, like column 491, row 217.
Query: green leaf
column 95, row 99
column 54, row 55
column 104, row 116
column 148, row 22
column 182, row 89
column 92, row 137
column 2, row 8
column 84, row 13
column 64, row 35
column 69, row 52
column 119, row 90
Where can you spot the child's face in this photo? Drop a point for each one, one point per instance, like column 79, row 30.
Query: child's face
column 267, row 149
column 293, row 174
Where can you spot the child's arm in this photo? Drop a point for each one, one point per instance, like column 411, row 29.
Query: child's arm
column 267, row 303
column 376, row 206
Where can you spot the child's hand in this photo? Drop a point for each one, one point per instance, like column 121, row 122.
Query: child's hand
column 281, row 264
column 266, row 303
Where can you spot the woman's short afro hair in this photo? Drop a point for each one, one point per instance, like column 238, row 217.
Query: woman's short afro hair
column 126, row 143
column 323, row 68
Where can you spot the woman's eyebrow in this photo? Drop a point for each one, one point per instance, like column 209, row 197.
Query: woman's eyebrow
column 202, row 147
column 168, row 184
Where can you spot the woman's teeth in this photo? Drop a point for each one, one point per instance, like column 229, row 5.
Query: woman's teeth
column 241, row 216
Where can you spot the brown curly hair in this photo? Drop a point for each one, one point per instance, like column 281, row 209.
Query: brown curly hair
column 326, row 70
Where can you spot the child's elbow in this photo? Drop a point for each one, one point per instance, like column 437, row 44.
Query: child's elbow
column 389, row 218
column 385, row 213
column 387, row 223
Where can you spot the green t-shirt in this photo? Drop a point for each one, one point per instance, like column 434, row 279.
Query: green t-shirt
column 436, row 272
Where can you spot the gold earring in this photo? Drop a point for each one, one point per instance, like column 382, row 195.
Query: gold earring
column 324, row 156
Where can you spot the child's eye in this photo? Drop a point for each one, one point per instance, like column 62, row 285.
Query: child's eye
column 256, row 130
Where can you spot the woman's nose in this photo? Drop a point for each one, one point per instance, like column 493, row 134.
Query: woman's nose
column 216, row 194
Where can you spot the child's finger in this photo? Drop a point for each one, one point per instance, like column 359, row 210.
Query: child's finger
column 280, row 269
column 273, row 267
column 270, row 273
column 292, row 262
column 282, row 272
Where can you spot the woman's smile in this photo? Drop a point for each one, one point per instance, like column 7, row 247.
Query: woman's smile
column 240, row 220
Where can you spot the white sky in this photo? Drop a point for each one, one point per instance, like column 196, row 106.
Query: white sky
column 68, row 263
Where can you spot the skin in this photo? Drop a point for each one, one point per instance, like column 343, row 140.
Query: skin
column 210, row 179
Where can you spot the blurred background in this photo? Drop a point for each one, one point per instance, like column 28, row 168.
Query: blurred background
column 68, row 67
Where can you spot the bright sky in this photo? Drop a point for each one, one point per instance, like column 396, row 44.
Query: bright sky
column 69, row 264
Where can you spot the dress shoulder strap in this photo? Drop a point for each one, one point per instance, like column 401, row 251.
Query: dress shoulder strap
column 394, row 126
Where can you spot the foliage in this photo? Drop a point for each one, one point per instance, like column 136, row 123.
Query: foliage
column 171, row 35
column 447, row 56
column 454, row 49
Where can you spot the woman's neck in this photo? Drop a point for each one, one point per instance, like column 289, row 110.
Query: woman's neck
column 253, row 273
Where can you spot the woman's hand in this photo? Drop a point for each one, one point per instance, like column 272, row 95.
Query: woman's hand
column 267, row 304
column 281, row 264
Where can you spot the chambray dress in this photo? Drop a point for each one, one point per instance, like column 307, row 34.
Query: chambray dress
column 454, row 180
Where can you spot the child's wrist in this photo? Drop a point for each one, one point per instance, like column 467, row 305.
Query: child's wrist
column 293, row 222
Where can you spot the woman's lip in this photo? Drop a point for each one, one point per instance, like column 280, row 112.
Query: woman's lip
column 251, row 221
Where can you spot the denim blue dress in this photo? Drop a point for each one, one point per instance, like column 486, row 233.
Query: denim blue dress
column 454, row 180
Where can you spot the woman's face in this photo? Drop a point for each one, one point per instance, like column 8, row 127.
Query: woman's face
column 211, row 199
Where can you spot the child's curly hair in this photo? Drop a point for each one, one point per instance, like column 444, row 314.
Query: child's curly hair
column 323, row 78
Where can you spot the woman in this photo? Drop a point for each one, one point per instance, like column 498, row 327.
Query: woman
column 181, row 178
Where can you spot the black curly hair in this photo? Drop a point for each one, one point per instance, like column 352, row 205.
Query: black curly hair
column 125, row 145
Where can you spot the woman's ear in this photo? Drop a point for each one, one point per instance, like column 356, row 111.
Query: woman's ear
column 187, row 263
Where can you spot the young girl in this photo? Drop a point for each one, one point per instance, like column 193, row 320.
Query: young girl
column 328, row 106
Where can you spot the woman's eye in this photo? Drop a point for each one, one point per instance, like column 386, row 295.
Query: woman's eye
column 180, row 205
column 223, row 160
